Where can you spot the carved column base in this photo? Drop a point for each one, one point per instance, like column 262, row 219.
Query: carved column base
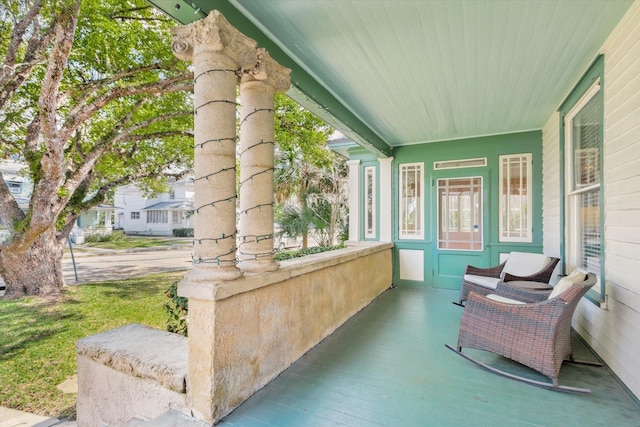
column 258, row 266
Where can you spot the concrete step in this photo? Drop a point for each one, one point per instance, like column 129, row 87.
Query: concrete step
column 170, row 418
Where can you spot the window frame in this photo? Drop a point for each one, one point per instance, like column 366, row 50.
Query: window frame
column 581, row 94
column 528, row 237
column 134, row 215
column 157, row 216
column 418, row 168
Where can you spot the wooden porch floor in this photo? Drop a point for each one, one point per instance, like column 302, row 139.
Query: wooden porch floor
column 388, row 366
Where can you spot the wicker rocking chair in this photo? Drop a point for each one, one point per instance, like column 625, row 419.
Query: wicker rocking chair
column 519, row 266
column 536, row 335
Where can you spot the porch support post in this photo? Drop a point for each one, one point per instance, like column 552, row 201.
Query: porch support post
column 354, row 200
column 218, row 52
column 385, row 198
column 258, row 87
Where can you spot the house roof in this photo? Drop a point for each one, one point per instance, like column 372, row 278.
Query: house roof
column 170, row 206
column 393, row 73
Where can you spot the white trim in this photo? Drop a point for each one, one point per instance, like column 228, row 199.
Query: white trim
column 386, row 204
column 354, row 199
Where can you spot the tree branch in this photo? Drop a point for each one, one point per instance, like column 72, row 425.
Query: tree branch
column 64, row 30
column 19, row 30
column 13, row 75
column 155, row 135
column 82, row 112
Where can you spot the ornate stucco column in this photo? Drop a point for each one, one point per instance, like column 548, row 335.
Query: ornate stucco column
column 257, row 139
column 218, row 52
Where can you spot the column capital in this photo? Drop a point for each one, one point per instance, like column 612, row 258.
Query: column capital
column 268, row 71
column 214, row 34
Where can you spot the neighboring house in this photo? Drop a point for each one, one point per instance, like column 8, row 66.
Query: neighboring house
column 96, row 220
column 481, row 128
column 157, row 216
column 19, row 184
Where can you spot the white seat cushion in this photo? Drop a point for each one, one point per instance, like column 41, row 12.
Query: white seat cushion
column 524, row 263
column 503, row 299
column 565, row 283
column 487, row 282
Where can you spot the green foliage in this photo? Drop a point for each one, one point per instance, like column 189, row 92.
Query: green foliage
column 114, row 236
column 183, row 232
column 177, row 309
column 284, row 255
column 137, row 127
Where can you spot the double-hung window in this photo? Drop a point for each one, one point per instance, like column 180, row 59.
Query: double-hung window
column 583, row 182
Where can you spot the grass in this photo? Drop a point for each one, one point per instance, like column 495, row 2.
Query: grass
column 37, row 343
column 130, row 242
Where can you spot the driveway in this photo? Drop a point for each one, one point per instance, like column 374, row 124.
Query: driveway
column 110, row 265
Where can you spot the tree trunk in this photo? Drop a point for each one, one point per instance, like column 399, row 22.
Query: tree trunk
column 36, row 271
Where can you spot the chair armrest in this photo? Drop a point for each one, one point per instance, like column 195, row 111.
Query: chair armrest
column 525, row 295
column 487, row 272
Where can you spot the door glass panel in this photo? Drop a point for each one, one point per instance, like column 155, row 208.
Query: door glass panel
column 460, row 213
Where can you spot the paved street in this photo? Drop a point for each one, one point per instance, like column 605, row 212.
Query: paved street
column 92, row 267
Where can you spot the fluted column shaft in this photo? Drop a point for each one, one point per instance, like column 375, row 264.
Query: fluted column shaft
column 257, row 140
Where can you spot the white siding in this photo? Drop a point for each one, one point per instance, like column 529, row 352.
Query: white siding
column 613, row 332
column 551, row 230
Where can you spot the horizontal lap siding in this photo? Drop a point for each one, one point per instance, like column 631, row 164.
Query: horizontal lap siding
column 613, row 332
column 552, row 231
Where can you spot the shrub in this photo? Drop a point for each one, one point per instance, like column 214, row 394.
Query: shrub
column 283, row 255
column 177, row 309
column 183, row 232
column 101, row 237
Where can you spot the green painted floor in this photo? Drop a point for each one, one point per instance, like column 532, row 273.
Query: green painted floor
column 388, row 366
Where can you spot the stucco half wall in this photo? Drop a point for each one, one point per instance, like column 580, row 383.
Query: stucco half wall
column 250, row 329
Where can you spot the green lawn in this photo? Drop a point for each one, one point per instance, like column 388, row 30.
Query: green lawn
column 37, row 342
column 130, row 242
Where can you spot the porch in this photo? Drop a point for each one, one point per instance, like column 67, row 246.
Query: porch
column 388, row 366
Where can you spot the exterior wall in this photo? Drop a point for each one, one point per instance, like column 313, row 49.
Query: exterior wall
column 552, row 200
column 131, row 199
column 445, row 268
column 260, row 324
column 613, row 329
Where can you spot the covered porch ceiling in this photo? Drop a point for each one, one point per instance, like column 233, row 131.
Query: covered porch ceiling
column 393, row 73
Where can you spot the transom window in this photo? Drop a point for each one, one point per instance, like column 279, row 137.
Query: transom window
column 411, row 210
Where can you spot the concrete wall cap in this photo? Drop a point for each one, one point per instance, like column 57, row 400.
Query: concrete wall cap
column 142, row 352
